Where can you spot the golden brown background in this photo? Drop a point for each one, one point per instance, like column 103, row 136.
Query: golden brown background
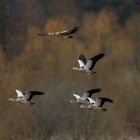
column 30, row 62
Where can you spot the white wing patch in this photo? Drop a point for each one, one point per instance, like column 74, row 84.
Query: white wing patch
column 77, row 96
column 98, row 101
column 64, row 32
column 89, row 64
column 91, row 101
column 19, row 93
column 81, row 63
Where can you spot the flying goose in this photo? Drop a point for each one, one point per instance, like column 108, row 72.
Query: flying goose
column 88, row 66
column 65, row 34
column 97, row 104
column 84, row 98
column 25, row 97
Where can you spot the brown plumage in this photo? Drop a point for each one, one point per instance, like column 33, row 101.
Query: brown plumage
column 25, row 97
column 65, row 34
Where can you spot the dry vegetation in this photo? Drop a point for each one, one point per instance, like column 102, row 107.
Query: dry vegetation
column 45, row 64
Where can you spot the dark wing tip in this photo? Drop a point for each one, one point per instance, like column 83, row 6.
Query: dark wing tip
column 76, row 28
column 37, row 92
column 106, row 99
column 97, row 57
column 111, row 101
column 32, row 93
column 94, row 90
column 101, row 55
column 97, row 90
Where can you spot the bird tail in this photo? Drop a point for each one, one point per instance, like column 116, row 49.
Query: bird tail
column 31, row 103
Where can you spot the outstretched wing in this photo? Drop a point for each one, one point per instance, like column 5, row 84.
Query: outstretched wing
column 81, row 64
column 91, row 101
column 101, row 100
column 67, row 32
column 77, row 96
column 90, row 92
column 29, row 95
column 19, row 93
column 82, row 60
column 92, row 61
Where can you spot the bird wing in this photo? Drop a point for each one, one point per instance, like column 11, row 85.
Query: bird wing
column 77, row 96
column 29, row 95
column 89, row 93
column 82, row 58
column 101, row 100
column 92, row 61
column 81, row 64
column 19, row 93
column 91, row 101
column 67, row 32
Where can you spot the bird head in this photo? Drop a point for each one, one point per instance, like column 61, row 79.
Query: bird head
column 75, row 68
column 11, row 99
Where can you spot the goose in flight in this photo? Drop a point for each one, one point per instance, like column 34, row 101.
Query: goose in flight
column 65, row 34
column 84, row 98
column 87, row 66
column 25, row 97
column 97, row 104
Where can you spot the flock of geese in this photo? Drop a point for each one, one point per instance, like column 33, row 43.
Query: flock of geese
column 85, row 66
